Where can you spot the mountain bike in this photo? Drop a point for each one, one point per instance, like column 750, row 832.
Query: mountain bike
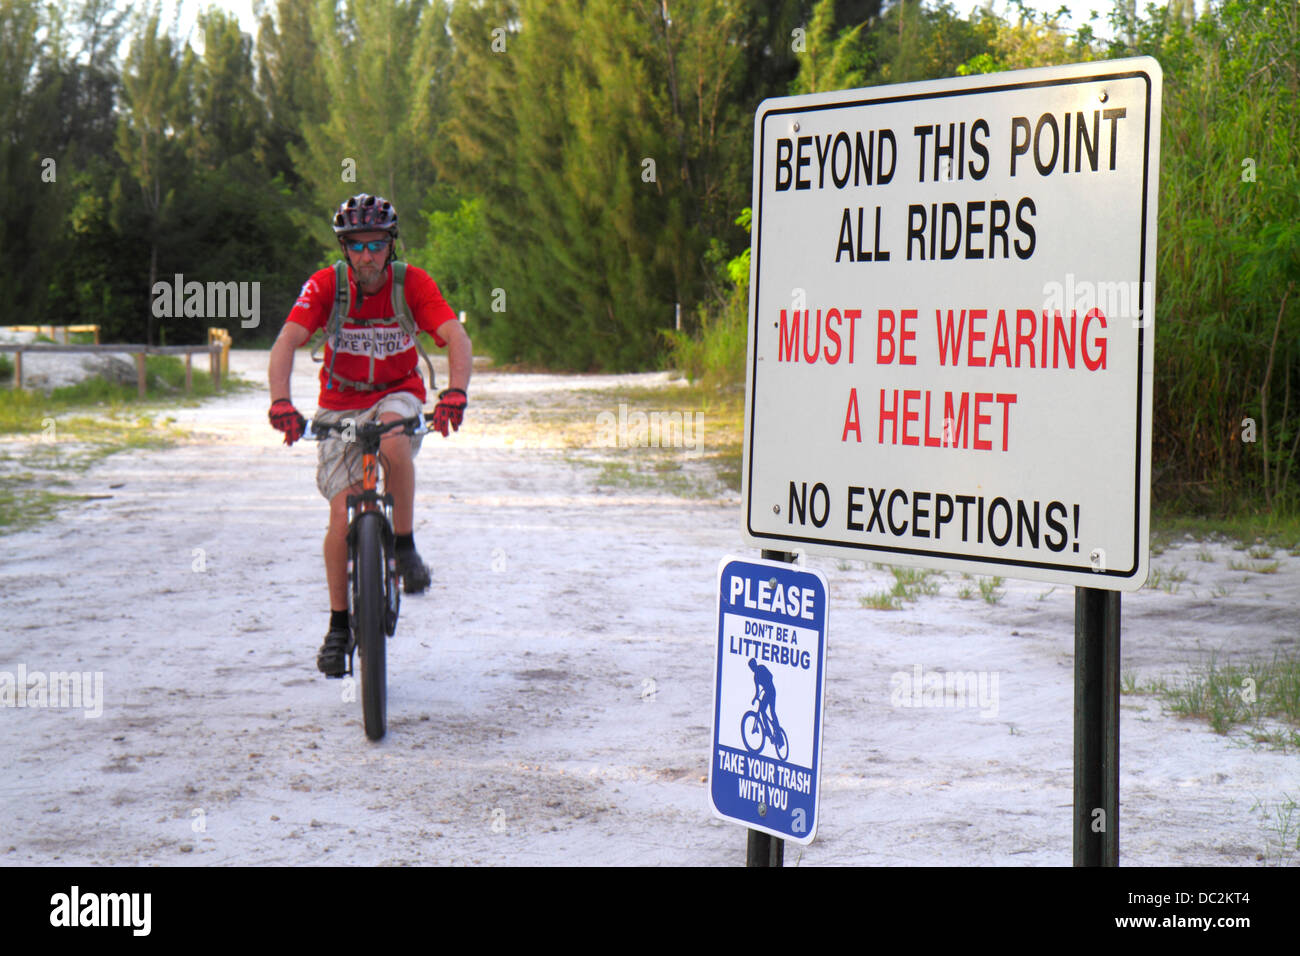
column 756, row 729
column 374, row 588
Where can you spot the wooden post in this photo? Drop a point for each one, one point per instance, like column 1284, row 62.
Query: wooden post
column 96, row 334
column 18, row 370
column 189, row 374
column 139, row 372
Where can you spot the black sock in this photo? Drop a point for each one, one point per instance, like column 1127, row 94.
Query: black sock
column 406, row 542
column 339, row 620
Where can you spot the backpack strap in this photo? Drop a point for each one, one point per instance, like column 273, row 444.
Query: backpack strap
column 405, row 319
column 342, row 306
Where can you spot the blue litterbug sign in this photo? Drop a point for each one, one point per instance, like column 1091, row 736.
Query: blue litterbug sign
column 769, row 676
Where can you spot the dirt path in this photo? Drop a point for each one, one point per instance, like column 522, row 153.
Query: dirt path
column 549, row 697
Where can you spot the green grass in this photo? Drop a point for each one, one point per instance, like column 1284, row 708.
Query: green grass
column 721, row 423
column 25, row 411
column 909, row 584
column 655, row 475
column 989, row 590
column 72, row 428
column 1246, row 530
column 28, row 469
column 1261, row 699
column 880, row 601
column 1166, row 580
column 1283, row 819
column 1258, row 567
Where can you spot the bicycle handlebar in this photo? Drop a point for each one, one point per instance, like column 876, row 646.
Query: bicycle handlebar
column 319, row 431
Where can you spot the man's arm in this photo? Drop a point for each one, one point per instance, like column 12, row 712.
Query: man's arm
column 460, row 354
column 281, row 364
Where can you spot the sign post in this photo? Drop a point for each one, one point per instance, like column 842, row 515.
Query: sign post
column 1096, row 727
column 951, row 346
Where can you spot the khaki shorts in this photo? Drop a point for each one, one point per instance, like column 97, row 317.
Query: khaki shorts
column 338, row 462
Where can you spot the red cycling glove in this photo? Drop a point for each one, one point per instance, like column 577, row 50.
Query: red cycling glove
column 285, row 418
column 450, row 410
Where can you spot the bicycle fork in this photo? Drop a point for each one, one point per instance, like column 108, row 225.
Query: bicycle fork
column 357, row 505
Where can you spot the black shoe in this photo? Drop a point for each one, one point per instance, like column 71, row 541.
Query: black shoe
column 412, row 571
column 332, row 661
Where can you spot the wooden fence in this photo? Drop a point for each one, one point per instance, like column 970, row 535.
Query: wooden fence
column 215, row 357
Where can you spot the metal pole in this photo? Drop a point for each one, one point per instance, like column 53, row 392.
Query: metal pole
column 1096, row 727
column 763, row 849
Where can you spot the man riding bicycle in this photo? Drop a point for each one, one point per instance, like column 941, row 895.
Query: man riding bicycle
column 369, row 373
column 765, row 695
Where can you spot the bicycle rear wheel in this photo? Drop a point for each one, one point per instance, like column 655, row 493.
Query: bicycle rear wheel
column 369, row 614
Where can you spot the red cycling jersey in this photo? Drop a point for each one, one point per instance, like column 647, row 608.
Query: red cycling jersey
column 396, row 358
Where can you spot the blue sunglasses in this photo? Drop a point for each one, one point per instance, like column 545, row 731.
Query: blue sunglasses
column 375, row 245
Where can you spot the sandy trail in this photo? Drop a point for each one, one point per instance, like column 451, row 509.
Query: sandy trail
column 549, row 697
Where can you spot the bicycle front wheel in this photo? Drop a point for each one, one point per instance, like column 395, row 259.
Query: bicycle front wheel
column 751, row 731
column 370, row 613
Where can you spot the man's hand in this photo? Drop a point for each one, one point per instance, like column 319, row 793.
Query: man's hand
column 450, row 410
column 285, row 418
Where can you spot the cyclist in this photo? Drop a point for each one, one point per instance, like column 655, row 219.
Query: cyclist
column 369, row 372
column 765, row 695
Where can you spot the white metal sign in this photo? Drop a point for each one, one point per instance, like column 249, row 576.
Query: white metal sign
column 951, row 338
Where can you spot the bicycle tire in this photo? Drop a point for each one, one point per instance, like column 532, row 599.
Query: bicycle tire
column 370, row 611
column 782, row 747
column 751, row 728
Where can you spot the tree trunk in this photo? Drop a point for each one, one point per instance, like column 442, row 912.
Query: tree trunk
column 153, row 278
column 1263, row 400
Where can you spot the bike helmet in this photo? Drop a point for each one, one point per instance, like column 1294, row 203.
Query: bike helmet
column 365, row 213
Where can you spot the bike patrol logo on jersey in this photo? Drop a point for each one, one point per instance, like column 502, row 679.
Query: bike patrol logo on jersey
column 769, row 674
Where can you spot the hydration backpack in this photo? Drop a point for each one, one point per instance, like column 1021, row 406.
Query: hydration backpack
column 343, row 305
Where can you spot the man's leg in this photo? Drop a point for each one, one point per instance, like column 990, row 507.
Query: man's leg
column 400, row 471
column 336, row 549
